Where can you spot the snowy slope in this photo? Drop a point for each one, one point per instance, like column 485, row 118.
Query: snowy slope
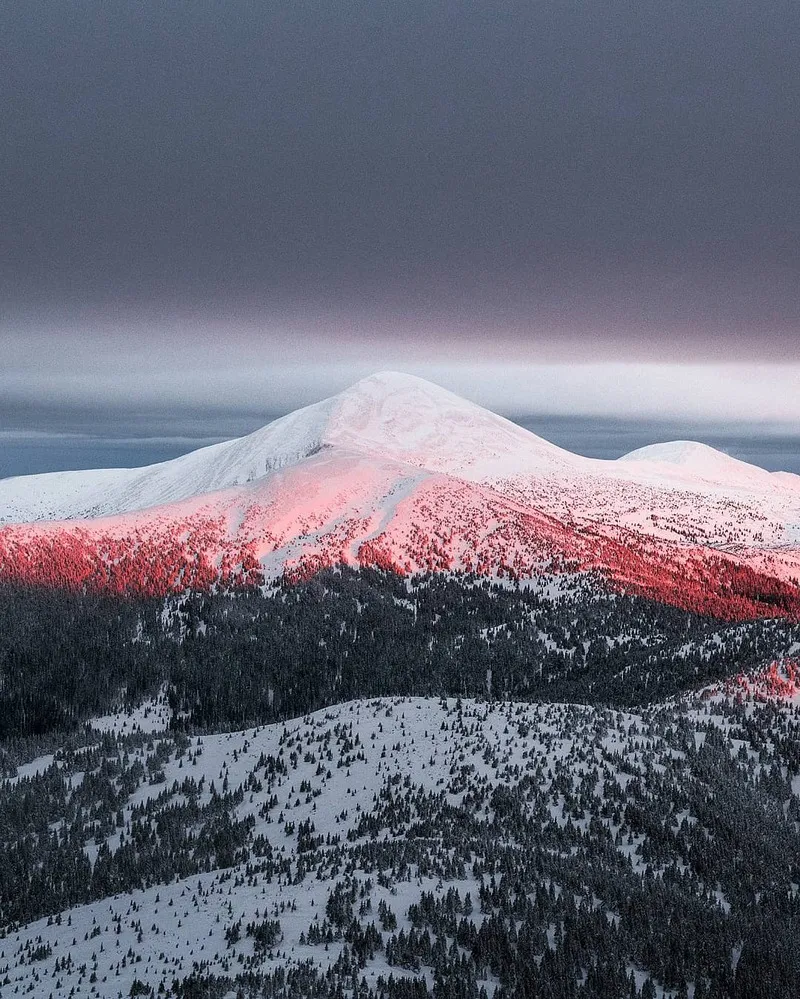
column 388, row 415
column 103, row 492
column 399, row 473
column 396, row 790
column 701, row 463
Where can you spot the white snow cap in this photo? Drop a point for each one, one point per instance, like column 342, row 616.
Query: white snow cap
column 389, row 416
column 701, row 462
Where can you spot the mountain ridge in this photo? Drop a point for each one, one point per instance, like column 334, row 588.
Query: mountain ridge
column 400, row 474
column 388, row 414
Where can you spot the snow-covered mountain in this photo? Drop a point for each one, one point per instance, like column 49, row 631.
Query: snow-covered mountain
column 397, row 472
column 401, row 847
column 388, row 415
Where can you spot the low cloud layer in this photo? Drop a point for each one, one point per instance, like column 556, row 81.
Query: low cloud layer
column 231, row 376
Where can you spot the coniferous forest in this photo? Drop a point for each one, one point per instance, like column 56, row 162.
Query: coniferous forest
column 368, row 786
column 237, row 658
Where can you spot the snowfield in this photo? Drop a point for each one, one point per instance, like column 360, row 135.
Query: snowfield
column 319, row 795
column 388, row 415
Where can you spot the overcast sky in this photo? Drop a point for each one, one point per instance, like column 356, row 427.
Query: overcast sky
column 252, row 203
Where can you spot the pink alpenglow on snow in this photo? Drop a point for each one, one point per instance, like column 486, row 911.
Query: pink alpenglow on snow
column 399, row 474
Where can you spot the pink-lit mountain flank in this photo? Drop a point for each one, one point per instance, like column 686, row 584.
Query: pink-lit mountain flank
column 400, row 474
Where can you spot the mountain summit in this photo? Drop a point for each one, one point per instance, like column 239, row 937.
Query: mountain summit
column 399, row 473
column 388, row 416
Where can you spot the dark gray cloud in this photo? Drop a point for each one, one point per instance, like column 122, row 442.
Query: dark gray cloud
column 610, row 176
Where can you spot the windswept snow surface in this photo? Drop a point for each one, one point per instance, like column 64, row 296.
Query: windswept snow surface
column 701, row 463
column 388, row 415
column 400, row 473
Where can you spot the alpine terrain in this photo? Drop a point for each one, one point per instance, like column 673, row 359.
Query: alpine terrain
column 399, row 474
column 393, row 699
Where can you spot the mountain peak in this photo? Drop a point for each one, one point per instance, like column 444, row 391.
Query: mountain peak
column 415, row 421
column 701, row 461
column 389, row 418
column 390, row 415
column 674, row 452
column 385, row 384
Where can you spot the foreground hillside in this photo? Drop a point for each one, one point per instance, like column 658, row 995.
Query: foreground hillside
column 410, row 847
